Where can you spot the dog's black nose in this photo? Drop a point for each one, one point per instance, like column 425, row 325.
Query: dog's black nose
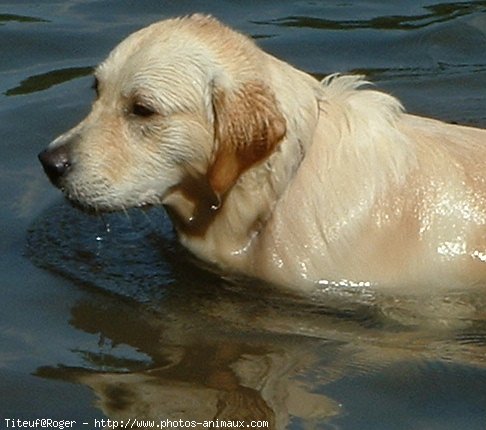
column 55, row 163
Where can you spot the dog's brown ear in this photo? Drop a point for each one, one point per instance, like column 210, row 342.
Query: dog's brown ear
column 248, row 127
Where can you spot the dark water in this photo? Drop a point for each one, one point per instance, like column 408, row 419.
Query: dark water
column 109, row 318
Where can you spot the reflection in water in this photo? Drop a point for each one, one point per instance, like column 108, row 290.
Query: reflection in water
column 177, row 342
column 196, row 370
column 7, row 17
column 436, row 14
column 46, row 80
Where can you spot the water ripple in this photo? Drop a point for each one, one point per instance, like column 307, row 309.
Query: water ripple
column 436, row 14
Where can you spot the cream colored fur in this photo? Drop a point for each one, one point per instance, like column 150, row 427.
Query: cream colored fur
column 269, row 173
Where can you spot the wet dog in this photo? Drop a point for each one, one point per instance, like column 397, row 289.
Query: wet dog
column 268, row 173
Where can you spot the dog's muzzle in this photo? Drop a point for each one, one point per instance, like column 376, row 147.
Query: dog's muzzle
column 56, row 163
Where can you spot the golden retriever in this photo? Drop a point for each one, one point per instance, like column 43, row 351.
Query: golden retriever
column 268, row 173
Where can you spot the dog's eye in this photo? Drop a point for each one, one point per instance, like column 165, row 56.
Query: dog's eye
column 142, row 110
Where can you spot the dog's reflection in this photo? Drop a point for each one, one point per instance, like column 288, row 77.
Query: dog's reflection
column 218, row 354
column 198, row 370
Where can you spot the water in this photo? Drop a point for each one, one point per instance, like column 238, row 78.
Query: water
column 108, row 318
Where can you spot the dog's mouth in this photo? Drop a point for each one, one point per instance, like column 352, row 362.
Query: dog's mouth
column 100, row 198
column 93, row 194
column 90, row 210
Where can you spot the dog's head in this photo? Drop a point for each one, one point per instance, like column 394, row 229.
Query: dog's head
column 182, row 111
